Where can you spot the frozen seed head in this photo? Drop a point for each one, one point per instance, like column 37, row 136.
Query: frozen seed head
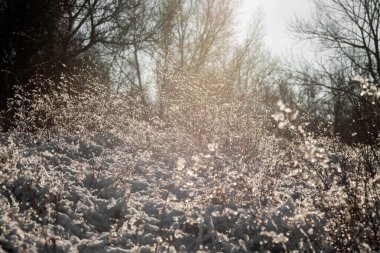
column 178, row 234
column 181, row 162
column 278, row 116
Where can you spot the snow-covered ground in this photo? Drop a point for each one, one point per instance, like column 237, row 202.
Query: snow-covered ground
column 100, row 194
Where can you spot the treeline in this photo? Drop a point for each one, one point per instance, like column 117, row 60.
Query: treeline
column 134, row 47
column 129, row 46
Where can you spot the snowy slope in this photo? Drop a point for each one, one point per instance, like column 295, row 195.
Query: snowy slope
column 99, row 194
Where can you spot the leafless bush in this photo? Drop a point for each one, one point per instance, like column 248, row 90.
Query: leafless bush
column 338, row 182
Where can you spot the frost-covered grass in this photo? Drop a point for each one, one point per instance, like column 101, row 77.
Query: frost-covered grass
column 74, row 194
column 85, row 172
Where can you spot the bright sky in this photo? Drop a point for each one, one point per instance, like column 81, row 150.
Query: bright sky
column 277, row 15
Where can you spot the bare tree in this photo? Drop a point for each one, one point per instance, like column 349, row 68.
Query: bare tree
column 37, row 35
column 351, row 29
column 349, row 32
column 249, row 64
column 194, row 31
column 142, row 36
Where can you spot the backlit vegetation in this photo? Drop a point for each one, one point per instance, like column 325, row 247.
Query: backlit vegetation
column 155, row 131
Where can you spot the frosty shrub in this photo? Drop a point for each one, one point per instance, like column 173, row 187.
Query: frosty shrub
column 209, row 110
column 338, row 183
column 71, row 109
column 47, row 104
column 205, row 115
column 88, row 169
